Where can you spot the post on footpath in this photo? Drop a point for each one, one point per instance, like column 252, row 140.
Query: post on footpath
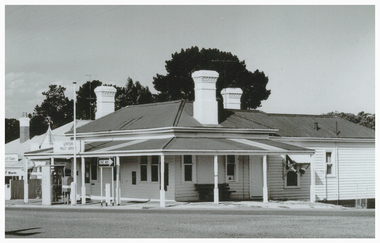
column 26, row 186
column 73, row 193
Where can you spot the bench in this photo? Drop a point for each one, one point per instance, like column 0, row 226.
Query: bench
column 206, row 192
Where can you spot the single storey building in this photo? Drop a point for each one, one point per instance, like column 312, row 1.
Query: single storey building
column 191, row 151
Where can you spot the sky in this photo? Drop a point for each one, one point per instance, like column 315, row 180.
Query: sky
column 318, row 58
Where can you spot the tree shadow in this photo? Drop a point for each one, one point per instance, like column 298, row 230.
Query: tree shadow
column 21, row 233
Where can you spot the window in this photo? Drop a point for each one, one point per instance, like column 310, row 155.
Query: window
column 154, row 168
column 292, row 179
column 330, row 162
column 231, row 168
column 188, row 167
column 149, row 168
column 143, row 168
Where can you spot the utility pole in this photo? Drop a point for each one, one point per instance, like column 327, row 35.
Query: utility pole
column 89, row 75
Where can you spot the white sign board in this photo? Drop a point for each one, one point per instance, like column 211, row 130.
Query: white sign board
column 14, row 172
column 105, row 162
column 11, row 157
column 66, row 147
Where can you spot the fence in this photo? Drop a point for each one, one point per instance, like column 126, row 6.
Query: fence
column 17, row 189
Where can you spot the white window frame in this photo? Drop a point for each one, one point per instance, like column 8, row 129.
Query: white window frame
column 149, row 169
column 193, row 163
column 236, row 176
column 298, row 181
column 333, row 162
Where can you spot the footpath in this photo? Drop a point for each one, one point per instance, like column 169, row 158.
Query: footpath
column 96, row 204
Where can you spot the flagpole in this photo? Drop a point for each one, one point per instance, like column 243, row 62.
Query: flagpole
column 74, row 200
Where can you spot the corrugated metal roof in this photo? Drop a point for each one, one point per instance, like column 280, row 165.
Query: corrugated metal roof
column 136, row 117
column 295, row 125
column 217, row 145
column 180, row 114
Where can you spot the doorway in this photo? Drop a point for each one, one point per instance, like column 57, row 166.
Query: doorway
column 256, row 176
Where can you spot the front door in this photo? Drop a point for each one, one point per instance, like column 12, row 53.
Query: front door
column 256, row 172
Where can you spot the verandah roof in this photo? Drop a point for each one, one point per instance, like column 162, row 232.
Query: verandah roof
column 175, row 145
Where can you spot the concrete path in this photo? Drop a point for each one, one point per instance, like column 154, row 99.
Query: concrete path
column 37, row 203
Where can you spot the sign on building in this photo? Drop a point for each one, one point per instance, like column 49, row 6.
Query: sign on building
column 106, row 162
column 66, row 147
column 11, row 157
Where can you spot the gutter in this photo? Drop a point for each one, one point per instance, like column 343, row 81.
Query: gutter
column 178, row 129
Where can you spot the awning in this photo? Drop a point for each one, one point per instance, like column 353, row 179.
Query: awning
column 190, row 145
column 299, row 158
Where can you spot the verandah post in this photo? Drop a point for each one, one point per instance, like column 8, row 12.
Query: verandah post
column 118, row 201
column 312, row 184
column 83, row 181
column 162, row 190
column 265, row 187
column 26, row 186
column 216, row 189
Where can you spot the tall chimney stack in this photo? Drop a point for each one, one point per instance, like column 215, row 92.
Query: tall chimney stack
column 105, row 100
column 24, row 127
column 231, row 98
column 205, row 107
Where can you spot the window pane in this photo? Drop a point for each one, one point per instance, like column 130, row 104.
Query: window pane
column 329, row 167
column 188, row 172
column 143, row 172
column 231, row 159
column 154, row 159
column 154, row 170
column 144, row 168
column 291, row 179
column 187, row 159
column 328, row 157
column 144, row 160
column 231, row 170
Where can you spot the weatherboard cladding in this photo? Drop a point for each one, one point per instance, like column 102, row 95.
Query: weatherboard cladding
column 180, row 114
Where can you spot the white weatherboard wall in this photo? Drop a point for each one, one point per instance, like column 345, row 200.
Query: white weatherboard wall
column 354, row 170
column 276, row 182
column 142, row 189
column 185, row 190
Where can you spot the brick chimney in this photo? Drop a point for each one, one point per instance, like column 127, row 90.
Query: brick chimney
column 24, row 127
column 205, row 107
column 105, row 100
column 231, row 98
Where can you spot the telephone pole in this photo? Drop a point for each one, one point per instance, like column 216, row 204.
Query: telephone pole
column 89, row 75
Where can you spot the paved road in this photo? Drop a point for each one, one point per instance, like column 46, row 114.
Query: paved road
column 169, row 223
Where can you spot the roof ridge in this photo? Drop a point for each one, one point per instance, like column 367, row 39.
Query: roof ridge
column 179, row 113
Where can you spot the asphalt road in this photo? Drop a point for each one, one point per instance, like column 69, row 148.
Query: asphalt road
column 175, row 223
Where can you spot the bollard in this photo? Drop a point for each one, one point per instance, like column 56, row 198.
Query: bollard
column 108, row 194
